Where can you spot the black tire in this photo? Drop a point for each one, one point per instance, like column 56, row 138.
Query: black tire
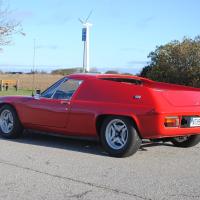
column 17, row 128
column 133, row 140
column 189, row 141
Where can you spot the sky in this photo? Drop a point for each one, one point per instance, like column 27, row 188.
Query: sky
column 124, row 32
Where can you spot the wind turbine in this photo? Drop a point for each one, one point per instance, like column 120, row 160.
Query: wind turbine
column 86, row 40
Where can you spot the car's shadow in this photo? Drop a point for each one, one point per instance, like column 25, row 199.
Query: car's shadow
column 147, row 144
column 78, row 145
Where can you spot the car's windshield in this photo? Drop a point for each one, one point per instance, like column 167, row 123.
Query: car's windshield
column 66, row 89
column 51, row 90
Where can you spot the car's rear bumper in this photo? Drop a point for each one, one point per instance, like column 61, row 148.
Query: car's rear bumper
column 152, row 126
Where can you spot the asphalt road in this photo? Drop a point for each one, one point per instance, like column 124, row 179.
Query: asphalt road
column 42, row 167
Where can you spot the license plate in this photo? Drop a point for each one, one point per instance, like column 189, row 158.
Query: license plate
column 195, row 121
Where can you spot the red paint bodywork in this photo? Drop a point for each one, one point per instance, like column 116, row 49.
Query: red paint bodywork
column 96, row 97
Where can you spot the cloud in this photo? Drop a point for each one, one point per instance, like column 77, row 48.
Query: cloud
column 132, row 70
column 145, row 22
column 54, row 20
column 51, row 47
column 60, row 2
column 9, row 67
column 137, row 62
column 128, row 49
column 57, row 18
column 20, row 15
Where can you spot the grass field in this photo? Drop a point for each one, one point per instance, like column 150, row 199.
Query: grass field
column 11, row 92
column 42, row 81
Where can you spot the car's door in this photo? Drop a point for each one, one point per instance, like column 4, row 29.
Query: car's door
column 52, row 108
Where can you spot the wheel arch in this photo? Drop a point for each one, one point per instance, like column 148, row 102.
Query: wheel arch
column 9, row 104
column 100, row 119
column 12, row 106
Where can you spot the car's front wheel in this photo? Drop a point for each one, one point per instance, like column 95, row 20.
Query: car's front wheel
column 186, row 141
column 119, row 136
column 10, row 126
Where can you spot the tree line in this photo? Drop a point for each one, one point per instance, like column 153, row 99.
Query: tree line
column 175, row 62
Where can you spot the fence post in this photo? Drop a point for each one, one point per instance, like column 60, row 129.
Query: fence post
column 17, row 84
column 1, row 85
column 6, row 86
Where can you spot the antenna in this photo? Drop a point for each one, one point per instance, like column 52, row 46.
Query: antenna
column 33, row 69
column 86, row 40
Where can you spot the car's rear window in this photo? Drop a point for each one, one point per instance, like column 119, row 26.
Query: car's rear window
column 124, row 80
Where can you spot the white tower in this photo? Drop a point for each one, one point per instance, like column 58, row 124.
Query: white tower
column 86, row 40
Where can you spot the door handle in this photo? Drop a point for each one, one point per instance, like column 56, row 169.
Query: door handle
column 65, row 102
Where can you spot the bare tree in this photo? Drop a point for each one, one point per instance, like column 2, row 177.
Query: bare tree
column 8, row 26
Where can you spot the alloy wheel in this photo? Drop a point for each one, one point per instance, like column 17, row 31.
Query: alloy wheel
column 6, row 121
column 116, row 134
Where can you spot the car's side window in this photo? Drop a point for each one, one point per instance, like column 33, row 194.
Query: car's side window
column 48, row 93
column 67, row 89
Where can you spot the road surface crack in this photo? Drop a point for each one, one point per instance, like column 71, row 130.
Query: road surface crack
column 103, row 187
column 185, row 195
column 79, row 196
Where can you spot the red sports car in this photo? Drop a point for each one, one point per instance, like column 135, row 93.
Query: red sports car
column 120, row 110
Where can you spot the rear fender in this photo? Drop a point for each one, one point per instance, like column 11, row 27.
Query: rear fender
column 100, row 118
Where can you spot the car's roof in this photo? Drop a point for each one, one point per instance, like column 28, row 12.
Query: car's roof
column 145, row 81
column 90, row 76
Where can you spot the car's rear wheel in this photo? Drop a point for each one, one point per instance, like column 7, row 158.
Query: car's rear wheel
column 119, row 136
column 186, row 141
column 10, row 126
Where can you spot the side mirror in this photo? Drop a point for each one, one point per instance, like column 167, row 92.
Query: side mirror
column 37, row 94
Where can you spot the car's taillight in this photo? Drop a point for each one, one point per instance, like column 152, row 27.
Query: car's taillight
column 172, row 121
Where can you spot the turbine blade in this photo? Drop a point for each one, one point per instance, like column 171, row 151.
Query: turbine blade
column 82, row 22
column 89, row 15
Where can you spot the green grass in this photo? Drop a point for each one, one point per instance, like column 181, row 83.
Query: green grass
column 11, row 92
